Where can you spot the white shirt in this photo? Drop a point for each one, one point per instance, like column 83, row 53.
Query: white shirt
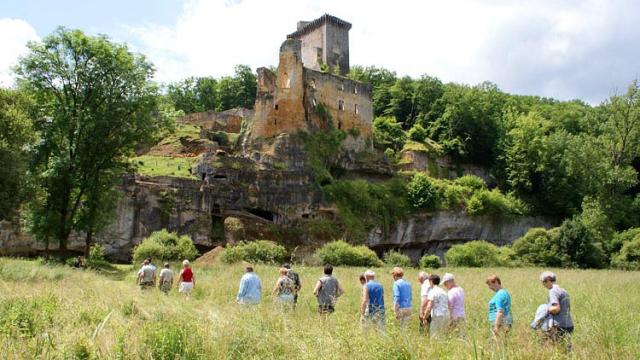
column 440, row 301
column 425, row 288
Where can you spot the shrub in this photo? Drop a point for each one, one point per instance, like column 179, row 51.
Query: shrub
column 485, row 202
column 422, row 194
column 341, row 253
column 629, row 256
column 417, row 133
column 96, row 259
column 395, row 258
column 172, row 338
column 473, row 254
column 430, row 262
column 578, row 242
column 451, row 195
column 621, row 238
column 165, row 245
column 260, row 251
column 539, row 247
column 471, row 181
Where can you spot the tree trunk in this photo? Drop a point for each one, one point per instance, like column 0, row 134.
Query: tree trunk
column 87, row 245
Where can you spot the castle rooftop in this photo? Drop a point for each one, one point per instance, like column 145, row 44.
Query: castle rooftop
column 306, row 27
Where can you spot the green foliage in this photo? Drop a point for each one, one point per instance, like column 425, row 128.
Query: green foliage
column 321, row 149
column 96, row 105
column 474, row 254
column 151, row 165
column 171, row 338
column 422, row 194
column 164, row 245
column 388, row 133
column 620, row 238
column 364, row 205
column 395, row 258
column 417, row 133
column 96, row 258
column 27, row 317
column 578, row 242
column 471, row 181
column 16, row 134
column 430, row 262
column 340, row 252
column 259, row 251
column 485, row 202
column 629, row 256
column 539, row 247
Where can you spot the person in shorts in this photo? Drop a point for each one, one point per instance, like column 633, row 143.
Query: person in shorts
column 327, row 291
column 186, row 279
column 146, row 276
column 166, row 279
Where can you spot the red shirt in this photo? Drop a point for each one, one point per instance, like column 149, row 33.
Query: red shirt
column 187, row 275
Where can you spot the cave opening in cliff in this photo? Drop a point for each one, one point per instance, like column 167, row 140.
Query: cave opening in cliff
column 267, row 215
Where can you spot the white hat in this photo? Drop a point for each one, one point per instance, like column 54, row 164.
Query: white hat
column 369, row 273
column 548, row 275
column 447, row 277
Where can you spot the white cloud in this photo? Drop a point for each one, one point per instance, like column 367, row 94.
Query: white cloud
column 563, row 49
column 14, row 35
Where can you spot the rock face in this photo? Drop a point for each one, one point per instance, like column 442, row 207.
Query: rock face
column 435, row 233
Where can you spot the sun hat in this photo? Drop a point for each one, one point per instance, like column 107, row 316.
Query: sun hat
column 447, row 277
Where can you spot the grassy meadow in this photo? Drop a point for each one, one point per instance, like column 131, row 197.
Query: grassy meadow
column 52, row 312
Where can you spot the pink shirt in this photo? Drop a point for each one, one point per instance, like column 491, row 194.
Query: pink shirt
column 456, row 302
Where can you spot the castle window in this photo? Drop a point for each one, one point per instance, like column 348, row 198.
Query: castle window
column 339, row 125
column 355, row 89
column 341, row 87
column 313, row 83
column 314, row 101
column 319, row 53
column 286, row 82
column 355, row 109
column 340, row 105
column 276, row 106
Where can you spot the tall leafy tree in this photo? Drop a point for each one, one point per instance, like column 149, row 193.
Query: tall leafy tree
column 96, row 104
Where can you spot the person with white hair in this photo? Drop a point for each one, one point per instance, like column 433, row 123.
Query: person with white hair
column 456, row 303
column 559, row 307
column 186, row 279
column 146, row 275
column 372, row 304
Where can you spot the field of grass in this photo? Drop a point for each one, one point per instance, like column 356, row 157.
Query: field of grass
column 164, row 166
column 51, row 311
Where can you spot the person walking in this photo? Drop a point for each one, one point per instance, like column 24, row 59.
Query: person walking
column 500, row 316
column 436, row 308
column 372, row 303
column 559, row 307
column 146, row 276
column 284, row 289
column 297, row 284
column 250, row 289
column 327, row 291
column 186, row 279
column 401, row 296
column 456, row 303
column 363, row 284
column 425, row 287
column 166, row 278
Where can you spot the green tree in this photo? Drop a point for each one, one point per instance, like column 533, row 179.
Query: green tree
column 401, row 102
column 388, row 133
column 16, row 134
column 422, row 194
column 185, row 95
column 96, row 105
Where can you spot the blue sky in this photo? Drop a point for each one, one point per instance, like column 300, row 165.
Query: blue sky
column 566, row 49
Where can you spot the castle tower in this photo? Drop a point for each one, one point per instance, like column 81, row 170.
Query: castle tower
column 325, row 41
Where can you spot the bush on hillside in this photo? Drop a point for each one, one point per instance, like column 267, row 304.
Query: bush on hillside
column 578, row 242
column 260, row 251
column 539, row 247
column 164, row 245
column 473, row 254
column 96, row 259
column 395, row 258
column 621, row 238
column 430, row 262
column 629, row 256
column 471, row 181
column 422, row 194
column 341, row 253
column 485, row 202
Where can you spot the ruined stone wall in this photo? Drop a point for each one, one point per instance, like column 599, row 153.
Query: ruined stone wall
column 348, row 102
column 287, row 114
column 228, row 121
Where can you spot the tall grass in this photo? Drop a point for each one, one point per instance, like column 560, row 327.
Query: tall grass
column 83, row 315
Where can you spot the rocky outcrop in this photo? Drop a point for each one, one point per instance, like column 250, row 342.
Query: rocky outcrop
column 434, row 233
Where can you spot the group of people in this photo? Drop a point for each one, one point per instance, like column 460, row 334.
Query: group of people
column 442, row 300
column 147, row 278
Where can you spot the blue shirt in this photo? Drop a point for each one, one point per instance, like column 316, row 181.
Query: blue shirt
column 501, row 300
column 250, row 290
column 402, row 294
column 376, row 297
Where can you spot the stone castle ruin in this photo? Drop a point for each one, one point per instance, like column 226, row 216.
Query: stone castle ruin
column 309, row 90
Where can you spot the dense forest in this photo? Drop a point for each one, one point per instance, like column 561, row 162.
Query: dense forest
column 568, row 160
